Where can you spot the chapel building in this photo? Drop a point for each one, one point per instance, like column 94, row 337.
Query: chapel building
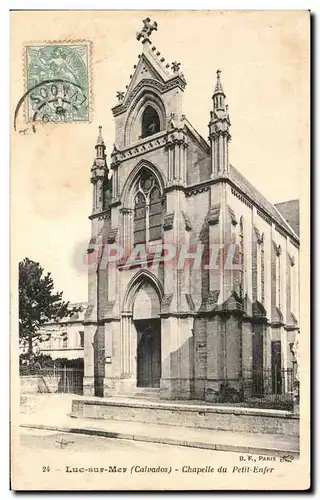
column 181, row 332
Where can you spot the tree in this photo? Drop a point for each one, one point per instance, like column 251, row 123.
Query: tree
column 38, row 303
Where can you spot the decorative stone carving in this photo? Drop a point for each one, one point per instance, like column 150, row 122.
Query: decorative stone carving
column 175, row 66
column 295, row 349
column 264, row 217
column 258, row 310
column 166, row 301
column 111, row 238
column 197, row 190
column 296, row 353
column 187, row 221
column 168, row 219
column 190, row 301
column 260, row 236
column 109, row 307
column 280, row 231
column 241, row 198
column 234, row 221
column 92, row 244
column 175, row 81
column 213, row 214
column 88, row 312
column 212, row 300
column 151, row 144
column 233, row 303
column 120, row 96
column 105, row 215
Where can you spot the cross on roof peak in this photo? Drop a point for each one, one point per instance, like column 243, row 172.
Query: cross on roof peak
column 147, row 29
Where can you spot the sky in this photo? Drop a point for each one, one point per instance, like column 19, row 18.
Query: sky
column 264, row 58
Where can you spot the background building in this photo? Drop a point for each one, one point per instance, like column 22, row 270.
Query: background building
column 64, row 338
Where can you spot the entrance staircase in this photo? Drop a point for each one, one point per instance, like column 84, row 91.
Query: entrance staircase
column 147, row 393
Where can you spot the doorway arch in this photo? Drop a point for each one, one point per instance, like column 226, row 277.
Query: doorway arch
column 141, row 329
column 146, row 320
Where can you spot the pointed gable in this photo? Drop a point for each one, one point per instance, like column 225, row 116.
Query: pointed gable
column 151, row 70
column 290, row 211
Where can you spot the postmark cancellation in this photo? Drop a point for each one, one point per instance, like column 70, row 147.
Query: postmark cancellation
column 58, row 81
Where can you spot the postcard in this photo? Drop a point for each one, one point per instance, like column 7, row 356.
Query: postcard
column 160, row 308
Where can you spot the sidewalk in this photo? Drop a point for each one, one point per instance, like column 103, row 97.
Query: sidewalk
column 55, row 416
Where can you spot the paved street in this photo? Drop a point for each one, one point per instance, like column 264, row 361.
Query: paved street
column 57, row 460
column 60, row 444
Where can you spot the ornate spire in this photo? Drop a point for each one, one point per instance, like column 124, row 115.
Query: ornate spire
column 147, row 29
column 100, row 159
column 219, row 97
column 99, row 173
column 218, row 89
column 219, row 134
column 100, row 141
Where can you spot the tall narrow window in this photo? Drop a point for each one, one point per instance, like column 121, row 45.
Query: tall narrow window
column 64, row 338
column 258, row 271
column 81, row 339
column 148, row 210
column 241, row 258
column 140, row 219
column 260, row 268
column 278, row 277
column 150, row 122
column 293, row 286
column 155, row 214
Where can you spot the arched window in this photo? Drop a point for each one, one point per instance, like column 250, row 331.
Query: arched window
column 261, row 269
column 150, row 122
column 241, row 257
column 140, row 219
column 147, row 209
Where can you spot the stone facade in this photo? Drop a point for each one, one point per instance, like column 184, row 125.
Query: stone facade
column 185, row 329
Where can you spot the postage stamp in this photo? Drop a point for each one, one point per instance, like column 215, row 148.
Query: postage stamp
column 58, row 82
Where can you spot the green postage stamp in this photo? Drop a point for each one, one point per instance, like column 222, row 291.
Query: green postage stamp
column 58, row 82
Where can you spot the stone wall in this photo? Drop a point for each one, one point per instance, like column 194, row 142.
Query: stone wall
column 197, row 416
column 32, row 384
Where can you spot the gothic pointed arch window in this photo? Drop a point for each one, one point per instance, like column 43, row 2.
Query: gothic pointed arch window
column 148, row 209
column 241, row 256
column 150, row 122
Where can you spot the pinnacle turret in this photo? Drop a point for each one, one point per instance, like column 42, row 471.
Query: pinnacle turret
column 100, row 141
column 218, row 87
column 219, row 97
column 219, row 135
column 99, row 173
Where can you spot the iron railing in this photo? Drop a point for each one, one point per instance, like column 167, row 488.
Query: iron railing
column 63, row 379
column 268, row 388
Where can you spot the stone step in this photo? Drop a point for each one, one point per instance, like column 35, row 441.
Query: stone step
column 144, row 393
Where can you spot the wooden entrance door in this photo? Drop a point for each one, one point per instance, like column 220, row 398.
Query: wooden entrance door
column 148, row 352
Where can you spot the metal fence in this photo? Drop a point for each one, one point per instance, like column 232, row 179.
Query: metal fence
column 268, row 388
column 63, row 379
